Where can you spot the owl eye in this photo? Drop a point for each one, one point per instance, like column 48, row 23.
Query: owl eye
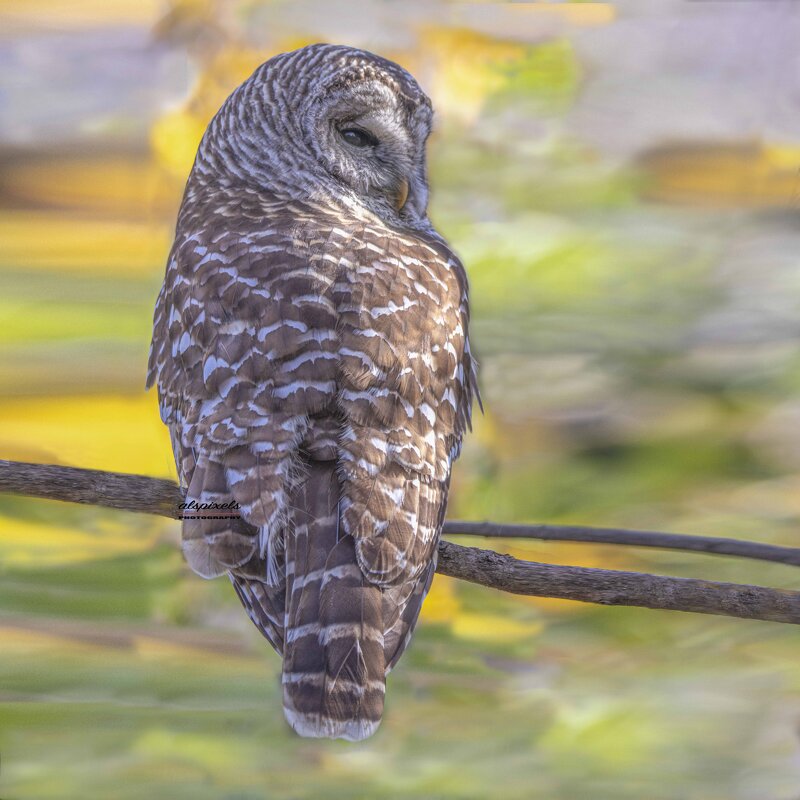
column 358, row 137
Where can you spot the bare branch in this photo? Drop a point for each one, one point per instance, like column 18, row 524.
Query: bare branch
column 161, row 497
column 92, row 487
column 484, row 567
column 615, row 588
column 713, row 545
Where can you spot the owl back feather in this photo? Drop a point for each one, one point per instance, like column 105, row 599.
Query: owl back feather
column 311, row 352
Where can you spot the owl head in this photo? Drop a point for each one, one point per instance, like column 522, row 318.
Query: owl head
column 326, row 123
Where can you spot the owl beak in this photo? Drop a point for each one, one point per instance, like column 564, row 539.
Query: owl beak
column 402, row 194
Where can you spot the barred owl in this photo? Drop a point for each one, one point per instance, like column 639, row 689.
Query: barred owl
column 311, row 355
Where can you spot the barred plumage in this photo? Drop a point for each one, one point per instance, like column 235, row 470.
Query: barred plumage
column 312, row 358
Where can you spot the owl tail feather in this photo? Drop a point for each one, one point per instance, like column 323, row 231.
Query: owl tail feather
column 333, row 660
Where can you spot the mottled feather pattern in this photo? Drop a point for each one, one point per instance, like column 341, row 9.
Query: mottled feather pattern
column 313, row 365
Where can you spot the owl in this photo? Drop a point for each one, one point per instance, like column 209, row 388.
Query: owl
column 312, row 359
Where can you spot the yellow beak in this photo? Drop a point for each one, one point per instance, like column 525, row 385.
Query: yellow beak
column 402, row 194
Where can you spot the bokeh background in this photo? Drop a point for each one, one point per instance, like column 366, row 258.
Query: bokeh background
column 623, row 182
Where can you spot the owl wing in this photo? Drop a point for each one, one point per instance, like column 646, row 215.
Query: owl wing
column 407, row 379
column 359, row 567
column 243, row 352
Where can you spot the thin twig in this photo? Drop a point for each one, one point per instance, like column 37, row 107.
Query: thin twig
column 485, row 567
column 714, row 545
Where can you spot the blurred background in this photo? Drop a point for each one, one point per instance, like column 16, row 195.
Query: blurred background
column 622, row 181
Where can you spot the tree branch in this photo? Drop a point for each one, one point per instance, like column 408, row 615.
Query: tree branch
column 616, row 588
column 713, row 545
column 92, row 487
column 484, row 567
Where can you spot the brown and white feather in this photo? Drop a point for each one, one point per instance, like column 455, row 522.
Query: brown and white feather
column 313, row 365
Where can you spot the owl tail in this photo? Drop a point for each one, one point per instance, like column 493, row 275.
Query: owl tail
column 333, row 660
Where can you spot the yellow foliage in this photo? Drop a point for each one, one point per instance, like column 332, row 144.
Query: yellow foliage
column 161, row 648
column 110, row 432
column 468, row 68
column 745, row 175
column 128, row 186
column 585, row 14
column 53, row 241
column 442, row 603
column 24, row 543
column 85, row 14
column 221, row 75
column 30, row 642
column 492, row 628
column 174, row 139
